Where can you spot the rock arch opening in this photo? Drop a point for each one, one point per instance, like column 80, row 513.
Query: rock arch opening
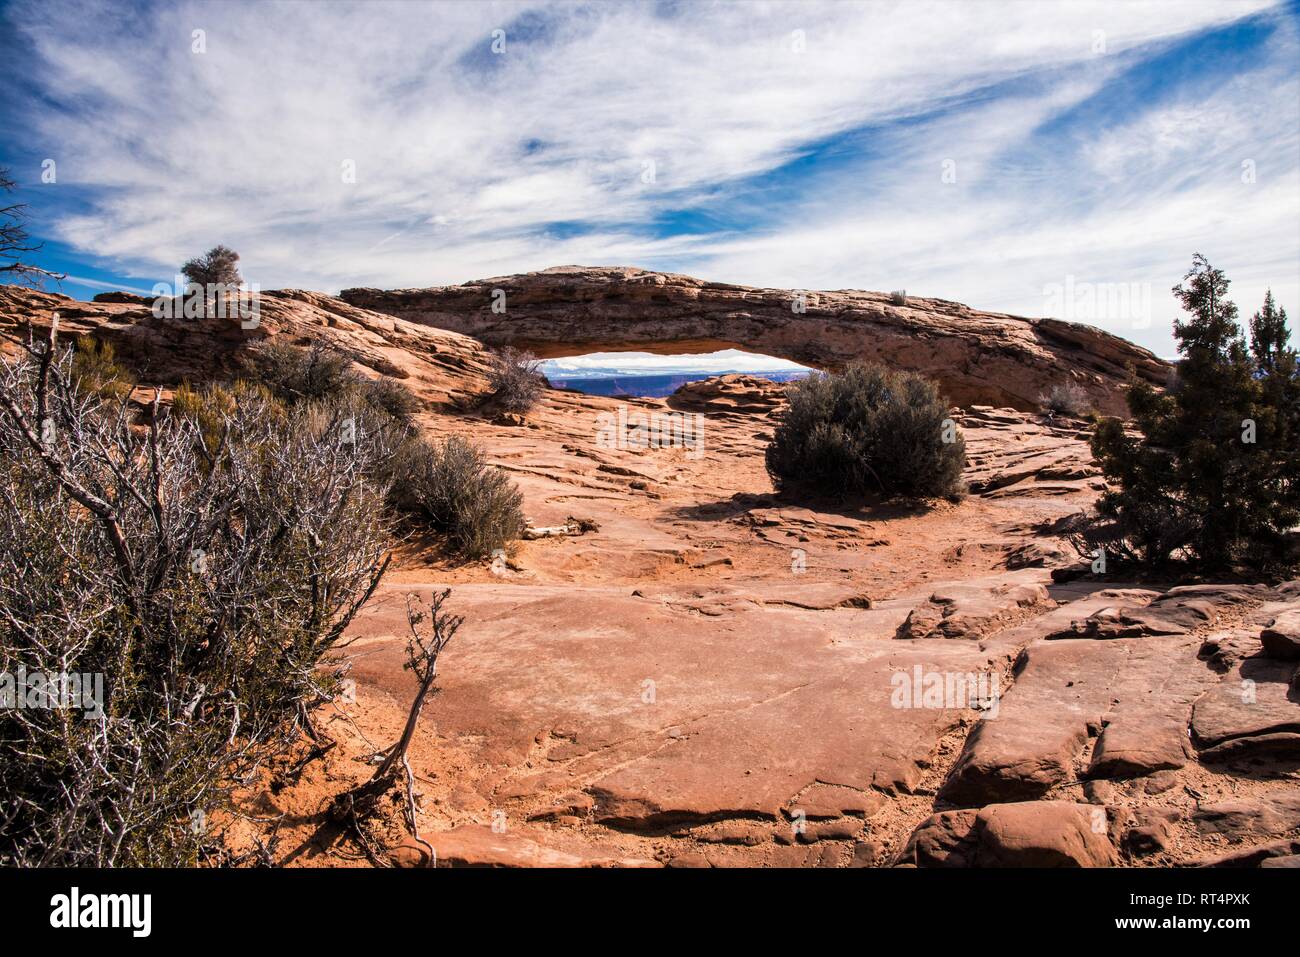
column 640, row 373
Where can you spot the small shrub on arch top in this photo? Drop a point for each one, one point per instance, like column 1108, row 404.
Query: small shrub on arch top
column 867, row 431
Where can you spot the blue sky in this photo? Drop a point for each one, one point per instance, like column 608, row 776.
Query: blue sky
column 1038, row 158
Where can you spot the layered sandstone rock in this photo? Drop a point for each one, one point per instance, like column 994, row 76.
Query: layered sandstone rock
column 975, row 356
column 729, row 393
column 443, row 368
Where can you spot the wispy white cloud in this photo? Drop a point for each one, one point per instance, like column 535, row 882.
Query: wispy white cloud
column 1220, row 175
column 110, row 286
column 645, row 363
column 470, row 163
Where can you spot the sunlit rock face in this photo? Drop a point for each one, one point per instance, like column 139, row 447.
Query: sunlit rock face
column 977, row 357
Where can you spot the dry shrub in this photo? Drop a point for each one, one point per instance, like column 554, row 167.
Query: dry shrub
column 1065, row 398
column 320, row 372
column 516, row 379
column 448, row 483
column 390, row 397
column 206, row 582
column 294, row 375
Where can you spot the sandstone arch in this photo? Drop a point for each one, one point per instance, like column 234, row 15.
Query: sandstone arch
column 977, row 357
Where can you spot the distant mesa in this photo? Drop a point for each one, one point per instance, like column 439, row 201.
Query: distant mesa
column 659, row 385
column 976, row 357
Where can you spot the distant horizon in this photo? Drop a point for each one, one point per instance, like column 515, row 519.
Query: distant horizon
column 661, row 384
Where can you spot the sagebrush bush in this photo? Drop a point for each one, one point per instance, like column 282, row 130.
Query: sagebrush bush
column 205, row 583
column 296, row 374
column 516, row 379
column 390, row 397
column 1064, row 398
column 449, row 483
column 319, row 372
column 445, row 484
column 866, row 431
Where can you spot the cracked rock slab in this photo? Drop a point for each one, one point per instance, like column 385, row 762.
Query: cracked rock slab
column 1252, row 708
column 1025, row 834
column 473, row 845
column 972, row 609
column 1176, row 612
column 1061, row 689
column 665, row 720
column 1145, row 729
column 1273, row 814
column 1135, row 694
column 1281, row 639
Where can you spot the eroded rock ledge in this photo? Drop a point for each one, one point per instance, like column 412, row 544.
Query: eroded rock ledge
column 977, row 357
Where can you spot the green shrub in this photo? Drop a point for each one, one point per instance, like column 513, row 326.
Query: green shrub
column 95, row 365
column 1212, row 474
column 867, row 431
column 208, row 409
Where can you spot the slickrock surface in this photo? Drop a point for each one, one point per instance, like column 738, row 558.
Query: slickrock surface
column 722, row 677
column 976, row 356
column 443, row 367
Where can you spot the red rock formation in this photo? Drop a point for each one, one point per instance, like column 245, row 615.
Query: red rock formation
column 441, row 367
column 977, row 357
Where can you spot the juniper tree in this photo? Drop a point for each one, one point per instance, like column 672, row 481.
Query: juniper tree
column 1211, row 474
column 1277, row 368
column 218, row 267
column 1269, row 336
